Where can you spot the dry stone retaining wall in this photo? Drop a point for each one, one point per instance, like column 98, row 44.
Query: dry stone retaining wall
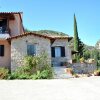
column 84, row 67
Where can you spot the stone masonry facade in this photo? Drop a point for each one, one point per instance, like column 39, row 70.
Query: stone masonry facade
column 84, row 67
column 19, row 48
column 56, row 61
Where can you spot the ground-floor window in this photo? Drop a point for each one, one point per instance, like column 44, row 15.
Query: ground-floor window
column 1, row 50
column 58, row 51
column 31, row 49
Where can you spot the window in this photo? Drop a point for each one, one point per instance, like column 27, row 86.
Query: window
column 58, row 51
column 1, row 50
column 3, row 26
column 31, row 50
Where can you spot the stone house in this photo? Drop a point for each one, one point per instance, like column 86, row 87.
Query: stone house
column 15, row 44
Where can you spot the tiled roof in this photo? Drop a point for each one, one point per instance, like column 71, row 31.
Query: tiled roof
column 40, row 35
column 12, row 15
column 10, row 12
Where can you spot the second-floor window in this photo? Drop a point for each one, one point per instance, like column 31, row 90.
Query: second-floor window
column 3, row 25
column 31, row 49
column 1, row 50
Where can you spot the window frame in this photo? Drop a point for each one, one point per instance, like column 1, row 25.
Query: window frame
column 3, row 25
column 62, row 51
column 58, row 51
column 34, row 51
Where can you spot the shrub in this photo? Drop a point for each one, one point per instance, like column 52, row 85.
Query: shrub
column 21, row 73
column 15, row 75
column 36, row 67
column 82, row 59
column 4, row 73
column 31, row 61
column 45, row 74
column 74, row 60
column 98, row 63
column 38, row 63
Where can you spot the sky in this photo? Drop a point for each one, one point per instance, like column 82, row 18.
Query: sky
column 58, row 15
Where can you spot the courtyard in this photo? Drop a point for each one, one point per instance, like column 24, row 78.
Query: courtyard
column 55, row 89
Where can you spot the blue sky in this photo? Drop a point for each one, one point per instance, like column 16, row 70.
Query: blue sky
column 58, row 15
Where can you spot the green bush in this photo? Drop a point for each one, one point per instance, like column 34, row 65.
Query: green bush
column 4, row 73
column 36, row 67
column 19, row 76
column 21, row 73
column 74, row 60
column 45, row 74
column 82, row 59
column 98, row 63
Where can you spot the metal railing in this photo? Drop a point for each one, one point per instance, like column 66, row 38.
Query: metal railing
column 4, row 30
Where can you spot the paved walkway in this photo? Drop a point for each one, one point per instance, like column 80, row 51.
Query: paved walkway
column 59, row 73
column 65, row 89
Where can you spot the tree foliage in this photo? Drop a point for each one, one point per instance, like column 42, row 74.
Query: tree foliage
column 97, row 44
column 78, row 44
column 76, row 38
column 51, row 32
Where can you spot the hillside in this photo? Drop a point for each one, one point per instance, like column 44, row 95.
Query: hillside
column 56, row 33
column 51, row 32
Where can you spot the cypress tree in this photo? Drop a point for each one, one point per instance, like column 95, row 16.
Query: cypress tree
column 78, row 44
column 76, row 39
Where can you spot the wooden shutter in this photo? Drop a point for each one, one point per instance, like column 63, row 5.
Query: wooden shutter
column 1, row 50
column 62, row 51
column 53, row 51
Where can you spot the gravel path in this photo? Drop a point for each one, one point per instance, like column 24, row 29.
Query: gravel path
column 65, row 89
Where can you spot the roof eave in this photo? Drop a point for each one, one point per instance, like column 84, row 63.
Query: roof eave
column 44, row 36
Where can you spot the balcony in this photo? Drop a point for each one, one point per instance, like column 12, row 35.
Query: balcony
column 4, row 33
column 5, row 18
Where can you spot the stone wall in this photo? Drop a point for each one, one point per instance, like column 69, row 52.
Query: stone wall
column 56, row 61
column 84, row 67
column 19, row 48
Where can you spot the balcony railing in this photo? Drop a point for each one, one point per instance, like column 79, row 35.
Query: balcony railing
column 4, row 30
column 4, row 33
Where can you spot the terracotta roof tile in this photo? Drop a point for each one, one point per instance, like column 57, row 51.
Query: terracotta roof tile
column 10, row 12
column 41, row 35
